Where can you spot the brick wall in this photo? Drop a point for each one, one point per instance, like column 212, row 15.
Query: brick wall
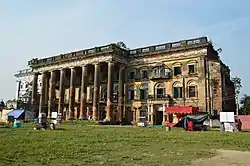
column 216, row 92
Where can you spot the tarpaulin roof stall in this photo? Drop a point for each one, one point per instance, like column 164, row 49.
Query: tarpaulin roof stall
column 15, row 113
column 196, row 118
column 182, row 110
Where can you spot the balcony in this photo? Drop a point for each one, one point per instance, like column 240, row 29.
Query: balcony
column 161, row 75
column 158, row 99
column 158, row 96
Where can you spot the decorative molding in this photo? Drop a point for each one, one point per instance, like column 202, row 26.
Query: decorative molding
column 73, row 64
column 174, row 56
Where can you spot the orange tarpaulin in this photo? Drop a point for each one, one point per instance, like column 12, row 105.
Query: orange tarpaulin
column 181, row 110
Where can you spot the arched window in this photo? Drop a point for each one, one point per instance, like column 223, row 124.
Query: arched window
column 161, row 71
column 192, row 89
column 177, row 90
column 159, row 90
column 192, row 67
column 144, row 91
column 131, row 92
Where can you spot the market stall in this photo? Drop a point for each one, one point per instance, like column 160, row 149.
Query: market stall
column 176, row 113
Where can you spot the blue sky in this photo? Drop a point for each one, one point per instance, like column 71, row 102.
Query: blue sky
column 31, row 28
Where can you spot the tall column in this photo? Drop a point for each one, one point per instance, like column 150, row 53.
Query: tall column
column 61, row 91
column 125, row 94
column 72, row 93
column 96, row 92
column 167, row 115
column 164, row 114
column 134, row 116
column 148, row 114
column 18, row 89
column 42, row 95
column 110, row 85
column 34, row 93
column 46, row 92
column 84, row 84
column 121, row 93
column 52, row 92
column 152, row 113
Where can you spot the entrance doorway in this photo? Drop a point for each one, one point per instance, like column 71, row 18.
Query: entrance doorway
column 102, row 113
column 159, row 117
column 130, row 115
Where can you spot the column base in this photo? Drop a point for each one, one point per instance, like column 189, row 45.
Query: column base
column 107, row 119
column 150, row 123
column 82, row 118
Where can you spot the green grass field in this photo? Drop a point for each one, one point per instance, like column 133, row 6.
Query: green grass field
column 81, row 144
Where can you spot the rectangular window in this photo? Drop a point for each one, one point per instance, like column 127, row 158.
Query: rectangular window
column 143, row 116
column 143, row 113
column 143, row 94
column 191, row 69
column 192, row 91
column 131, row 94
column 177, row 71
column 177, row 92
column 132, row 75
column 156, row 72
column 144, row 74
column 160, row 93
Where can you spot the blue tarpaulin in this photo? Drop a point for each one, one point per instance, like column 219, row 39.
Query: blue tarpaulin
column 15, row 113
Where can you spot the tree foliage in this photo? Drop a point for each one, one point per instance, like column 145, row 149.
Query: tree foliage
column 237, row 84
column 22, row 105
column 245, row 101
column 122, row 45
column 2, row 104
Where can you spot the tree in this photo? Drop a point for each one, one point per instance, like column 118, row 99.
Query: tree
column 2, row 104
column 122, row 45
column 237, row 86
column 245, row 101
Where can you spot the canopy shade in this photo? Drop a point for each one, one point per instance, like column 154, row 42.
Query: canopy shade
column 15, row 113
column 182, row 109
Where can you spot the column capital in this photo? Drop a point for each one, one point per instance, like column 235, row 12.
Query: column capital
column 96, row 63
column 110, row 62
column 51, row 71
column 72, row 67
column 85, row 65
column 122, row 66
column 36, row 73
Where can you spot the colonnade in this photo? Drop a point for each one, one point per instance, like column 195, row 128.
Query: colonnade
column 83, row 93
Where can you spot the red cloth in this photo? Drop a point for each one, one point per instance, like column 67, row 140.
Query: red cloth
column 190, row 126
column 182, row 109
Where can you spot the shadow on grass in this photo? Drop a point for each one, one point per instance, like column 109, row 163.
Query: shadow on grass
column 61, row 129
column 245, row 131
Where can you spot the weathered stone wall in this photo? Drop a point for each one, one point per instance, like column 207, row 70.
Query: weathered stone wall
column 171, row 60
column 215, row 81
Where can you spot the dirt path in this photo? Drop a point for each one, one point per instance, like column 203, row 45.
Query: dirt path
column 226, row 158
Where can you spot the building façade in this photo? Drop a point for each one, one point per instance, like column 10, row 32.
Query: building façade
column 112, row 83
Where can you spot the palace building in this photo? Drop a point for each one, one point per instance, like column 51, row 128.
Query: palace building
column 111, row 82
